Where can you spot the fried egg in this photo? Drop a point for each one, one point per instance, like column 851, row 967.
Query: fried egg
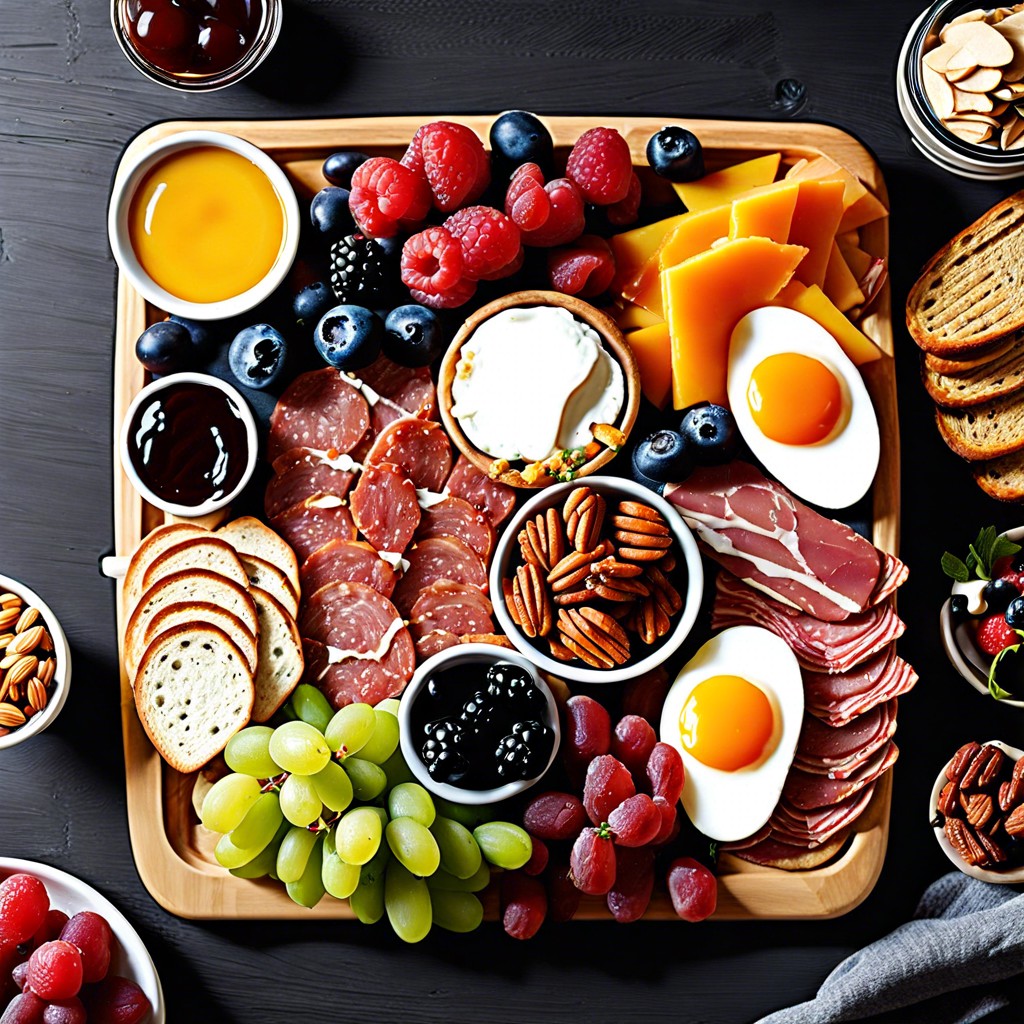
column 802, row 407
column 734, row 713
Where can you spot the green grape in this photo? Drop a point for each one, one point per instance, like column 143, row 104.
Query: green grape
column 368, row 779
column 357, row 835
column 230, row 856
column 388, row 704
column 333, row 786
column 299, row 748
column 287, row 712
column 456, row 911
column 350, row 728
column 503, row 844
column 294, row 852
column 411, row 800
column 367, row 902
column 413, row 846
column 381, row 745
column 248, row 752
column 228, row 801
column 340, row 879
column 264, row 863
column 300, row 803
column 260, row 823
column 309, row 889
column 476, row 882
column 464, row 814
column 460, row 852
column 311, row 706
column 396, row 769
column 407, row 901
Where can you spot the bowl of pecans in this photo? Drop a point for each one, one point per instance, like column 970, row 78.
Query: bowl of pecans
column 35, row 664
column 597, row 581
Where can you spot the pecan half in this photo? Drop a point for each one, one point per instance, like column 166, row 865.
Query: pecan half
column 978, row 809
column 593, row 636
column 995, row 852
column 611, row 568
column 530, row 595
column 508, row 592
column 961, row 759
column 1016, row 793
column 617, row 590
column 542, row 541
column 585, row 520
column 949, row 799
column 963, row 840
column 668, row 598
column 560, row 652
column 650, row 621
column 983, row 769
column 1014, row 824
column 572, row 570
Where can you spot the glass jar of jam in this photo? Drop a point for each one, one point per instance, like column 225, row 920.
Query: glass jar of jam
column 196, row 45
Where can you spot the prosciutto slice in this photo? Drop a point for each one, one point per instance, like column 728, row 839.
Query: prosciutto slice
column 839, row 753
column 807, row 792
column 758, row 531
column 811, row 829
column 839, row 698
column 894, row 575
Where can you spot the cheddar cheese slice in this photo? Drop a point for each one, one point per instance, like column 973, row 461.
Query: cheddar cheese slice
column 813, row 302
column 764, row 212
column 652, row 349
column 840, row 284
column 632, row 249
column 631, row 318
column 819, row 208
column 724, row 185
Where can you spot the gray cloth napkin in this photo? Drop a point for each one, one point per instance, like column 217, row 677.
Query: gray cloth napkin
column 940, row 968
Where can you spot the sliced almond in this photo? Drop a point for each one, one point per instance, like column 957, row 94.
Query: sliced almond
column 960, row 64
column 988, row 119
column 982, row 80
column 998, row 109
column 989, row 47
column 937, row 59
column 964, row 102
column 961, row 19
column 939, row 93
column 1011, row 133
column 969, row 131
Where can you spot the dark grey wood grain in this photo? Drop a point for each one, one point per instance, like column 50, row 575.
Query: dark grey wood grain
column 69, row 102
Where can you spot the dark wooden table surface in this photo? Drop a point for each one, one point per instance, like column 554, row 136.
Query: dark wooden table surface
column 69, row 102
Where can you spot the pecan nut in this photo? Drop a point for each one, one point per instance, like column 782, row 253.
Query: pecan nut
column 984, row 768
column 531, row 599
column 1014, row 824
column 611, row 568
column 650, row 621
column 978, row 809
column 594, row 637
column 964, row 841
column 1016, row 793
column 542, row 541
column 949, row 799
column 572, row 570
column 584, row 519
column 961, row 759
column 995, row 852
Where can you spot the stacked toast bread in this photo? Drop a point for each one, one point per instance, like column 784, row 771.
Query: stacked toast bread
column 966, row 313
column 210, row 641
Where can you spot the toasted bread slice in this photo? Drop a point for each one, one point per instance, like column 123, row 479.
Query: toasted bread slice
column 280, row 655
column 1002, row 479
column 203, row 613
column 939, row 364
column 996, row 379
column 151, row 546
column 967, row 296
column 193, row 692
column 268, row 577
column 207, row 553
column 249, row 536
column 987, row 431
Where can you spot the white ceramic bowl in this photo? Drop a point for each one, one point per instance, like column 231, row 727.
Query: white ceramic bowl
column 252, row 442
column 1010, row 877
column 613, row 489
column 130, row 958
column 463, row 654
column 61, row 676
column 129, row 178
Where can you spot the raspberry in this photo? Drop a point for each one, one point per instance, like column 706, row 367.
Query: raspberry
column 452, row 160
column 386, row 196
column 585, row 269
column 413, row 156
column 509, row 269
column 601, row 164
column 459, row 294
column 547, row 214
column 489, row 240
column 625, row 210
column 432, row 261
column 995, row 633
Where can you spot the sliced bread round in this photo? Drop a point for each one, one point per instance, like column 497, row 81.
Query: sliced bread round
column 280, row 655
column 986, row 431
column 268, row 577
column 996, row 379
column 941, row 364
column 250, row 536
column 1003, row 478
column 193, row 692
column 203, row 613
column 207, row 553
column 151, row 546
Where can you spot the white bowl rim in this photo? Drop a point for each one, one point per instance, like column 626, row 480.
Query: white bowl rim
column 251, row 436
column 132, row 946
column 691, row 599
column 470, row 652
column 984, row 874
column 130, row 175
column 61, row 676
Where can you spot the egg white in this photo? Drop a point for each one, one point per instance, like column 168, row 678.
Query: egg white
column 837, row 471
column 727, row 806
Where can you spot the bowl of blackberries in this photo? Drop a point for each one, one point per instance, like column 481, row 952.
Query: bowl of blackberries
column 982, row 622
column 478, row 724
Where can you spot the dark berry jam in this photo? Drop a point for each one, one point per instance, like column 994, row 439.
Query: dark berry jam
column 188, row 444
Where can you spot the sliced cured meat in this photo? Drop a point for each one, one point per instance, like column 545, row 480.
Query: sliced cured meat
column 813, row 828
column 313, row 522
column 495, row 499
column 894, row 574
column 773, row 853
column 419, row 448
column 839, row 753
column 318, row 410
column 742, row 844
column 455, row 517
column 807, row 792
column 838, row 699
column 384, row 507
column 758, row 531
column 357, row 646
column 347, row 561
column 820, row 646
column 434, row 642
column 301, row 473
column 454, row 607
column 439, row 558
column 403, row 391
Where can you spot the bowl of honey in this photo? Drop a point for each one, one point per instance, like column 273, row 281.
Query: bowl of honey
column 203, row 224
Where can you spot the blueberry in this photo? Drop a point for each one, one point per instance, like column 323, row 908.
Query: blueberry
column 330, row 213
column 257, row 355
column 166, row 347
column 1014, row 613
column 710, row 431
column 998, row 594
column 203, row 338
column 413, row 335
column 519, row 137
column 676, row 154
column 338, row 167
column 349, row 337
column 312, row 302
column 663, row 456
column 657, row 486
column 958, row 606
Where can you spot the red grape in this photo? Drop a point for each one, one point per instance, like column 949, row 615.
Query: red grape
column 524, row 904
column 116, row 1000
column 693, row 888
column 633, row 741
column 665, row 770
column 538, row 858
column 55, row 970
column 563, row 896
column 554, row 815
column 92, row 935
column 634, row 882
column 69, row 1011
column 23, row 906
column 20, row 975
column 645, row 695
column 592, row 862
column 588, row 729
column 26, row 1008
column 636, row 821
column 669, row 821
column 608, row 783
column 51, row 927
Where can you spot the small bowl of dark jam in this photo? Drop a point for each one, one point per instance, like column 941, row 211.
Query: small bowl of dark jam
column 188, row 443
column 196, row 45
column 478, row 724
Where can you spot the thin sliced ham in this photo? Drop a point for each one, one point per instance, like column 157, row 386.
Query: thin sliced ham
column 811, row 829
column 312, row 523
column 385, row 508
column 894, row 574
column 439, row 558
column 347, row 561
column 840, row 753
column 400, row 391
column 839, row 698
column 807, row 792
column 455, row 517
column 301, row 473
column 419, row 448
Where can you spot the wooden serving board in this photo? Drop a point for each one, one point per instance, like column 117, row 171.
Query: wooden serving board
column 172, row 851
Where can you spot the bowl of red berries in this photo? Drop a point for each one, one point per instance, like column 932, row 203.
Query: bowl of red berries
column 982, row 622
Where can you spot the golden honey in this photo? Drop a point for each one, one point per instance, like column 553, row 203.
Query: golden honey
column 206, row 224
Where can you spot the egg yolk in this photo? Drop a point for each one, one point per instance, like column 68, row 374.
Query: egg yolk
column 794, row 399
column 727, row 723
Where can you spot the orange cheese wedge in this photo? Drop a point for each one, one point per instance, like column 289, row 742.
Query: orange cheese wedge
column 819, row 208
column 823, row 168
column 813, row 302
column 765, row 212
column 632, row 249
column 631, row 317
column 653, row 352
column 840, row 284
column 862, row 212
column 724, row 185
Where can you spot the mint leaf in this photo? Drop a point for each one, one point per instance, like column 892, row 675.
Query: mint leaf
column 976, row 563
column 955, row 568
column 984, row 545
column 1003, row 547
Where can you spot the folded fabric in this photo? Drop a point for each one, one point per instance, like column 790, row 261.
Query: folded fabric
column 966, row 937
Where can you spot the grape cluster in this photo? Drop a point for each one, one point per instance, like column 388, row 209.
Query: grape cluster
column 326, row 804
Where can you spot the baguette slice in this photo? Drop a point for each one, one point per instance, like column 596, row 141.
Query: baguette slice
column 207, row 553
column 203, row 613
column 987, row 431
column 280, row 655
column 249, row 536
column 150, row 547
column 268, row 577
column 967, row 296
column 996, row 379
column 193, row 692
column 983, row 357
column 1002, row 479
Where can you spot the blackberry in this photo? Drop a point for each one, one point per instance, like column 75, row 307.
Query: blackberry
column 440, row 752
column 482, row 721
column 513, row 759
column 363, row 271
column 513, row 687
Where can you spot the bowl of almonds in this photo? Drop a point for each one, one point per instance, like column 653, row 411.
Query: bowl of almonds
column 597, row 581
column 35, row 664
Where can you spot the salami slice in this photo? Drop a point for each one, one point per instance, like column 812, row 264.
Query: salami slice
column 434, row 643
column 356, row 644
column 347, row 561
column 312, row 523
column 455, row 517
column 496, row 500
column 807, row 792
column 419, row 447
column 385, row 508
column 404, row 392
column 454, row 607
column 439, row 558
column 318, row 410
column 301, row 473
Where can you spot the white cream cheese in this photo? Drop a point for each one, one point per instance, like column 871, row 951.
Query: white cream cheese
column 531, row 382
column 973, row 590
